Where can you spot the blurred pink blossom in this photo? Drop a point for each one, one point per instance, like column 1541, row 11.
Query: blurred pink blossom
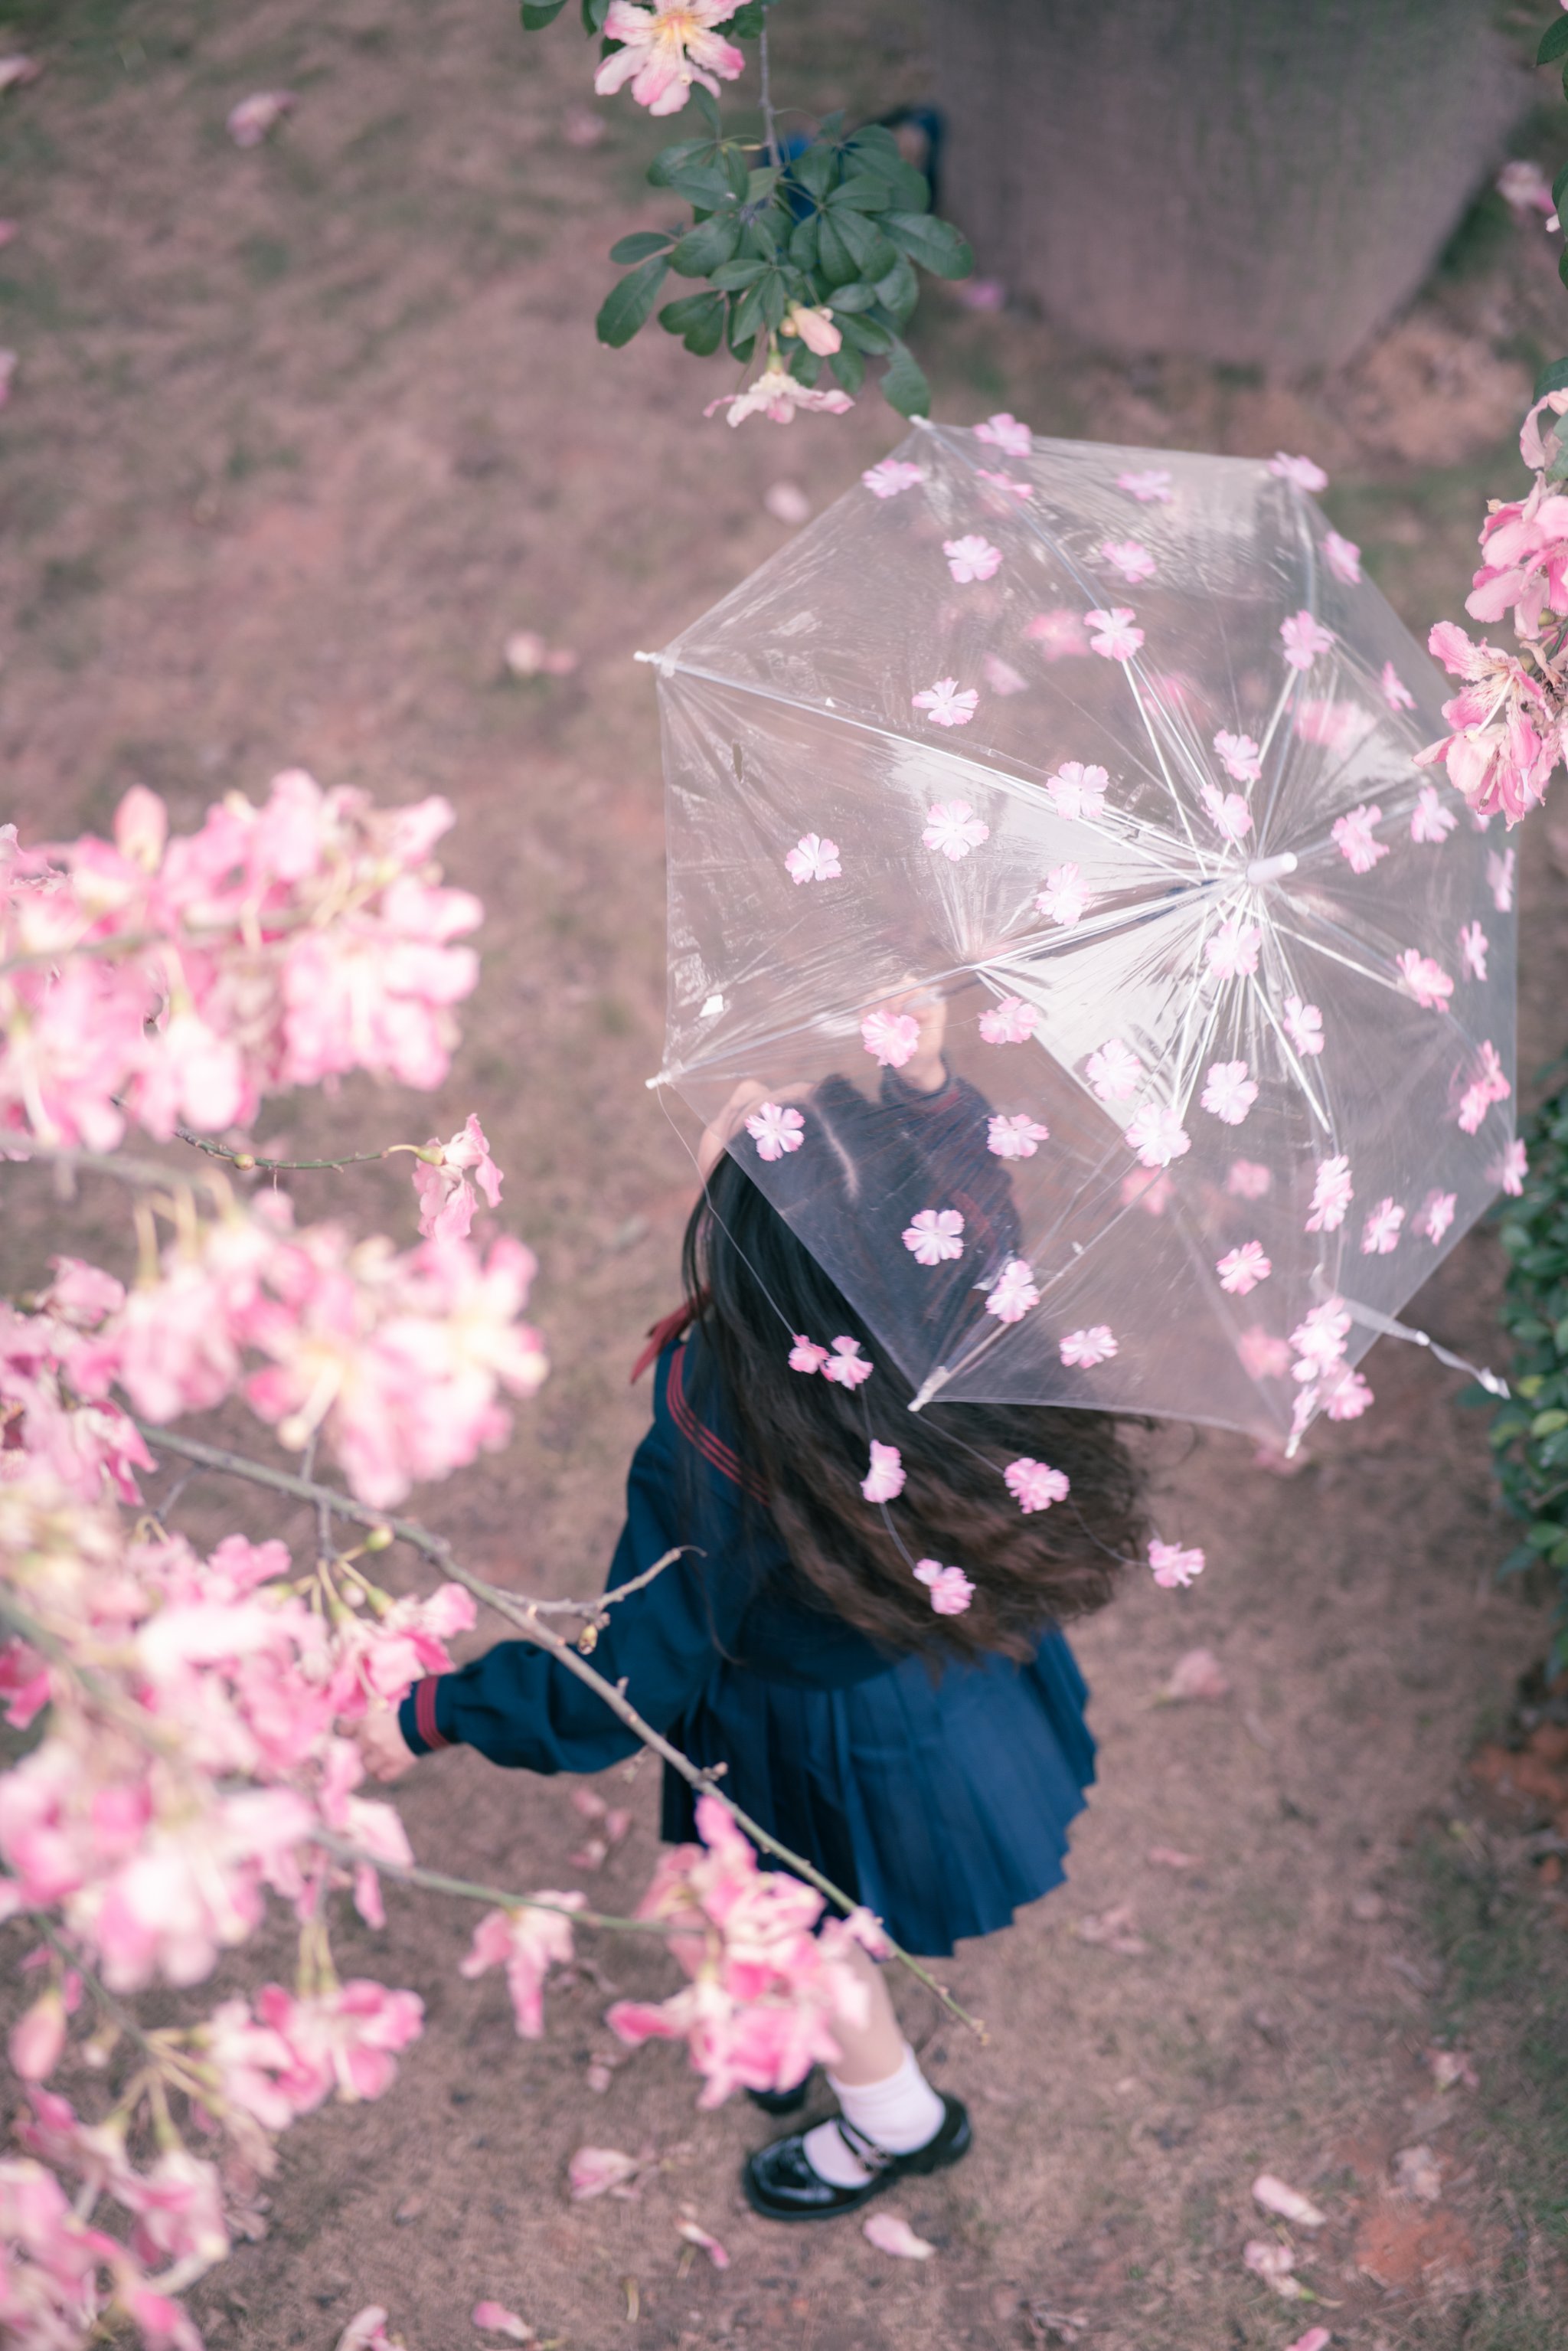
column 1033, row 1485
column 1303, row 1026
column 249, row 122
column 1353, row 836
column 846, row 1367
column 1009, row 1021
column 1013, row 1291
column 1085, row 1349
column 972, row 559
column 1300, row 472
column 1156, row 1134
column 1077, row 790
column 666, row 46
column 950, row 1589
column 1005, row 433
column 1064, row 898
column 1173, row 1567
column 1130, row 558
column 1114, row 632
column 1228, row 1093
column 889, row 1038
column 446, row 1201
column 883, row 1481
column 1114, row 1069
column 953, row 829
column 1151, row 488
column 945, row 704
column 1241, row 1270
column 1332, row 1193
column 891, row 476
column 1017, row 1136
column 527, row 1942
column 1304, row 637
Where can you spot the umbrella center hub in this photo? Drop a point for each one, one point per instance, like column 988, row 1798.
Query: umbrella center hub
column 1271, row 869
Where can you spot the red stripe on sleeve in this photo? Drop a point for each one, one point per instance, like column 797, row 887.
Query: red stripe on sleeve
column 424, row 1711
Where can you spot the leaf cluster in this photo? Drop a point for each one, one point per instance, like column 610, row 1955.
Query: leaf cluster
column 1530, row 1430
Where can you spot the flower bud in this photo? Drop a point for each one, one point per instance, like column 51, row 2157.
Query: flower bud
column 37, row 2039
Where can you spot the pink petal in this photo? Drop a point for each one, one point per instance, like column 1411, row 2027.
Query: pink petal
column 890, row 2234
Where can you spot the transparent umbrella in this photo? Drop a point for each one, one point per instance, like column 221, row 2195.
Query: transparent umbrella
column 1101, row 757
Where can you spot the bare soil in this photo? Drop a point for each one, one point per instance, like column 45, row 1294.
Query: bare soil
column 298, row 437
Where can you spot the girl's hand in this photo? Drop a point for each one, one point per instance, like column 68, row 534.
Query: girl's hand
column 386, row 1754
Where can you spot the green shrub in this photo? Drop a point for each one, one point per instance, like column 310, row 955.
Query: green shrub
column 1530, row 1432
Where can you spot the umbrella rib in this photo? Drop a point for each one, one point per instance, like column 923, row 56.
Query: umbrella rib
column 1159, row 754
column 1320, row 946
column 1281, row 1039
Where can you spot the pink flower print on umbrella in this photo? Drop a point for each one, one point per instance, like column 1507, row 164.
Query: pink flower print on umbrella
column 1473, row 945
column 1013, row 1292
column 1228, row 1092
column 1337, row 725
column 1380, row 1233
column 1001, row 676
column 1303, row 1025
column 1319, row 1338
column 1430, row 822
column 1232, row 952
column 1006, row 482
column 1081, row 1349
column 1016, row 1137
column 1173, row 1568
column 1113, row 1070
column 1150, row 1190
column 1240, row 758
column 1343, row 559
column 1300, row 472
column 891, row 476
column 1113, row 634
column 1345, row 1395
column 1006, row 433
column 1262, row 1355
column 1427, row 981
column 1510, row 1170
column 889, row 1038
column 1241, row 1270
column 1435, row 1215
column 1010, row 1021
column 951, row 1590
column 934, row 1235
column 946, row 704
column 1156, row 1134
column 1304, row 637
column 1332, row 1193
column 805, row 1355
column 1152, row 487
column 1499, row 880
column 1489, row 1085
column 883, row 1481
column 1033, row 1485
column 812, row 859
column 953, row 829
column 775, row 1130
column 1077, row 790
column 846, row 1367
column 1130, row 558
column 1058, row 634
column 1352, row 836
column 971, row 559
column 1393, row 690
column 1063, row 898
column 1249, row 1181
column 1227, row 812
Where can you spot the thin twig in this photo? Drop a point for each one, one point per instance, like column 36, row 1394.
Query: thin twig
column 249, row 1164
column 770, row 128
column 437, row 1881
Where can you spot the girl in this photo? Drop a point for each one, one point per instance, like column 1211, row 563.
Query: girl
column 914, row 1729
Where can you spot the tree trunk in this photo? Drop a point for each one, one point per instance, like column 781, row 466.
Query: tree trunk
column 1251, row 180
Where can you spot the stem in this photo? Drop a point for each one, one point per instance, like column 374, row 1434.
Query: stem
column 247, row 1162
column 437, row 1881
column 769, row 127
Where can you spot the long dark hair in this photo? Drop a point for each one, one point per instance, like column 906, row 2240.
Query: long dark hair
column 807, row 1437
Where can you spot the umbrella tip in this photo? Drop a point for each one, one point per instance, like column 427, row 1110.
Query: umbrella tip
column 1271, row 869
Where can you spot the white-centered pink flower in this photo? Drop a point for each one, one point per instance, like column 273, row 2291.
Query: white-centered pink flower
column 1152, row 487
column 891, row 476
column 1473, row 946
column 1500, row 878
column 1113, row 1070
column 1114, row 632
column 1156, row 1134
column 1332, row 725
column 972, row 558
column 776, row 1130
column 1034, row 1485
column 1302, row 472
column 1426, row 980
column 1232, row 952
column 1241, row 1270
column 1430, row 822
column 1319, row 1338
column 946, row 704
column 889, row 1038
column 1393, row 690
column 883, row 1481
column 1305, row 638
column 445, row 1193
column 1001, row 676
column 1248, row 1179
column 1332, row 1193
column 1353, row 836
column 1239, row 755
column 1130, row 557
column 667, row 46
column 1344, row 558
column 950, row 1589
column 1006, row 433
column 1148, row 1189
column 1077, row 790
column 1262, row 1355
column 813, row 858
column 953, row 829
column 1173, row 1567
column 1009, row 1021
column 805, row 1355
column 777, row 395
column 1490, row 1085
column 1345, row 1395
column 1064, row 898
column 1380, row 1232
column 1013, row 1291
column 1059, row 634
column 1081, row 1349
column 1303, row 1025
column 1227, row 812
column 1017, row 1136
column 934, row 1235
column 1435, row 1215
column 846, row 1367
column 1509, row 1171
column 1228, row 1092
column 1006, row 482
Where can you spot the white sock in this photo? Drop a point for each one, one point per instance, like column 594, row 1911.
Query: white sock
column 900, row 2113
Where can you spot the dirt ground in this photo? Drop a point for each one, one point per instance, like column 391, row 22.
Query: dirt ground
column 298, row 437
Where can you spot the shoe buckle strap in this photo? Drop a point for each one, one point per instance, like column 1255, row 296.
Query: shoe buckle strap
column 864, row 2150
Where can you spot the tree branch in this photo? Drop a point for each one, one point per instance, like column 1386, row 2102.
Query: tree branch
column 435, row 1881
column 770, row 129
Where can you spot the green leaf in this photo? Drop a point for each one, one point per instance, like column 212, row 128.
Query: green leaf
column 774, row 299
column 746, row 316
column 875, row 147
column 538, row 14
column 594, row 12
column 847, row 299
column 734, row 277
column 849, row 368
column 899, row 290
column 1553, row 378
column 626, row 306
column 1560, row 184
column 1547, row 1424
column 1544, row 1534
column 903, row 387
column 706, row 105
column 1562, row 257
column 861, row 193
column 837, row 263
column 1554, row 42
column 865, row 334
column 805, row 364
column 641, row 241
column 705, row 246
column 732, row 164
column 748, row 22
column 936, row 245
column 864, row 243
column 699, row 318
column 803, row 246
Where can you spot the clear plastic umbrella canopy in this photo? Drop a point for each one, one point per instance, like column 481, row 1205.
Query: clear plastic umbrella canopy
column 1103, row 757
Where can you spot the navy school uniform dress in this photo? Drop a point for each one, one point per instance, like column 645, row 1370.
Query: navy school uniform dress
column 936, row 1789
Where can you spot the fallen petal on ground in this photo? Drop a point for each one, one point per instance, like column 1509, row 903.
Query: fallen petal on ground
column 1275, row 2196
column 889, row 2234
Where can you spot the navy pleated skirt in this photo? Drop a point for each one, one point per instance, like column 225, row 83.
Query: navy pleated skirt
column 941, row 1803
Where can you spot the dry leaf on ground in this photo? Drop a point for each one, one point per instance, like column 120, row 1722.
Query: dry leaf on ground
column 1273, row 2264
column 601, row 2170
column 1113, row 1930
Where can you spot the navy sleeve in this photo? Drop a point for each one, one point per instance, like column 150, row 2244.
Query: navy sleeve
column 950, row 1131
column 519, row 1706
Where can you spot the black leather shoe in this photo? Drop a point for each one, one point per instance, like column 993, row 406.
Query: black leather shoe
column 783, row 2102
column 781, row 2185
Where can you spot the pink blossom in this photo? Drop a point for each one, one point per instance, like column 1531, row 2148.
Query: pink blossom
column 1033, row 1485
column 347, row 2038
column 1240, row 756
column 1232, row 952
column 1532, row 445
column 883, row 1481
column 1130, row 558
column 1344, row 558
column 1427, row 981
column 1060, row 633
column 179, row 2210
column 596, row 2171
column 1173, row 1568
column 951, row 1590
column 527, row 1942
column 1304, row 637
column 1504, row 740
column 1380, row 1233
column 813, row 323
column 1319, row 1338
column 37, row 2039
column 1525, row 188
column 1249, row 1181
column 805, row 1355
column 934, row 1235
column 1499, row 880
column 1148, row 1189
column 1510, row 1170
column 972, row 559
column 1430, row 822
column 953, row 829
column 1300, row 472
column 493, row 2318
column 1084, row 1349
column 1114, row 1069
column 1152, row 487
column 1227, row 812
column 1006, row 433
column 1303, row 1025
column 1228, row 1092
column 889, row 1038
column 1345, row 1395
column 1395, row 691
column 888, row 2231
column 1155, row 1133
column 668, row 46
column 946, row 704
column 1489, row 1085
column 813, row 858
column 1335, row 726
column 846, row 1367
column 1064, row 897
column 891, row 476
column 1013, row 1291
column 1525, row 572
column 1113, row 634
column 1332, row 1193
column 1263, row 1357
column 1016, row 1137
column 776, row 1130
column 249, row 122
column 1352, row 835
column 446, row 1202
column 1009, row 1021
column 1473, row 946
column 704, row 2242
column 1006, row 482
column 1077, row 790
column 1001, row 676
column 1241, row 1270
column 1435, row 1215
